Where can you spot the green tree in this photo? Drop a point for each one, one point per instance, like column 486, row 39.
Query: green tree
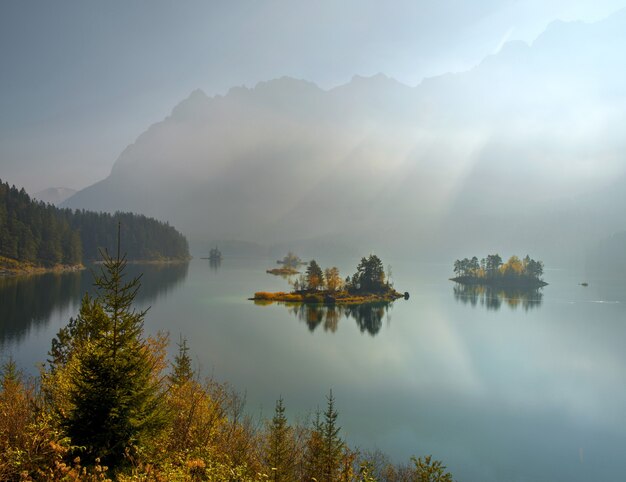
column 474, row 266
column 314, row 450
column 493, row 263
column 429, row 470
column 182, row 370
column 280, row 447
column 332, row 445
column 370, row 275
column 113, row 389
column 314, row 276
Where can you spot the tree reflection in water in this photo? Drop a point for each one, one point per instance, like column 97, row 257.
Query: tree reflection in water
column 493, row 298
column 215, row 263
column 368, row 316
column 27, row 302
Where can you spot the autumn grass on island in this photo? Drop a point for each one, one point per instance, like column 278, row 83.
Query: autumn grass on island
column 490, row 271
column 370, row 284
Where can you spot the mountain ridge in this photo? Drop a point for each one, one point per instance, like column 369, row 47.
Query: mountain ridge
column 286, row 159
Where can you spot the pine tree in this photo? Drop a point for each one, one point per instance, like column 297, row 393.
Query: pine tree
column 181, row 368
column 429, row 470
column 370, row 275
column 314, row 450
column 332, row 445
column 114, row 398
column 314, row 276
column 279, row 454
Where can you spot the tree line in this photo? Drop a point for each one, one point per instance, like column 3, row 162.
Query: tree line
column 370, row 277
column 493, row 267
column 42, row 234
column 109, row 406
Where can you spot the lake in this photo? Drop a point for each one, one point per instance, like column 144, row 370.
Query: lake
column 499, row 387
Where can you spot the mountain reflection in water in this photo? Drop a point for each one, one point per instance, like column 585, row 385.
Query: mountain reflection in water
column 493, row 298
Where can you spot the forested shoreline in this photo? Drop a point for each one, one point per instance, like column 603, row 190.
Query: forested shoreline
column 36, row 236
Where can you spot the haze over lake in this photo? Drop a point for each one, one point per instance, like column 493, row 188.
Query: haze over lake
column 418, row 132
column 500, row 391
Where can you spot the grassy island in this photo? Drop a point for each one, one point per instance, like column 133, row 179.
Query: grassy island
column 369, row 284
column 283, row 271
column 327, row 297
column 490, row 271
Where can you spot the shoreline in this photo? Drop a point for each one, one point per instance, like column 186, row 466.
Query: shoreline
column 283, row 271
column 325, row 298
column 31, row 270
column 523, row 283
column 152, row 261
column 10, row 268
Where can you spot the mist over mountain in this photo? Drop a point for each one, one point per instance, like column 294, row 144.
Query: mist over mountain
column 523, row 153
column 54, row 195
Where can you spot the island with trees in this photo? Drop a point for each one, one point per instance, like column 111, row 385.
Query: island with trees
column 369, row 284
column 290, row 264
column 491, row 271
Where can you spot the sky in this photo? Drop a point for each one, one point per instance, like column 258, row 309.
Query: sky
column 80, row 80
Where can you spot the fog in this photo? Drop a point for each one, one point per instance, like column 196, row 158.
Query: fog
column 521, row 153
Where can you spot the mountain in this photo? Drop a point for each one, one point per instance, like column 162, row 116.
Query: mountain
column 515, row 154
column 55, row 195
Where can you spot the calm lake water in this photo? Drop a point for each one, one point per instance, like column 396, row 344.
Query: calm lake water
column 529, row 388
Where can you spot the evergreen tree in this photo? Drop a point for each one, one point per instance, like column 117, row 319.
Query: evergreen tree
column 280, row 451
column 181, row 368
column 314, row 276
column 114, row 394
column 332, row 445
column 428, row 470
column 370, row 275
column 314, row 450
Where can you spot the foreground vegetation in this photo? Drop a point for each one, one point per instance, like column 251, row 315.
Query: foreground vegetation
column 490, row 271
column 35, row 236
column 108, row 406
column 369, row 284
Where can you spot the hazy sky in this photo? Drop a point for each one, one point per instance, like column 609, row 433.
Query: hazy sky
column 80, row 80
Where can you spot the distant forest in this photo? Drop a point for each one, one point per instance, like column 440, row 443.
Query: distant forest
column 44, row 235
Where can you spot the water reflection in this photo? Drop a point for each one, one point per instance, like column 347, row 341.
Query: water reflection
column 27, row 302
column 215, row 263
column 368, row 317
column 493, row 298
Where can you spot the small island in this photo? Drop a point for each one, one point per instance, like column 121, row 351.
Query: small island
column 490, row 271
column 214, row 255
column 369, row 284
column 290, row 263
column 283, row 271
